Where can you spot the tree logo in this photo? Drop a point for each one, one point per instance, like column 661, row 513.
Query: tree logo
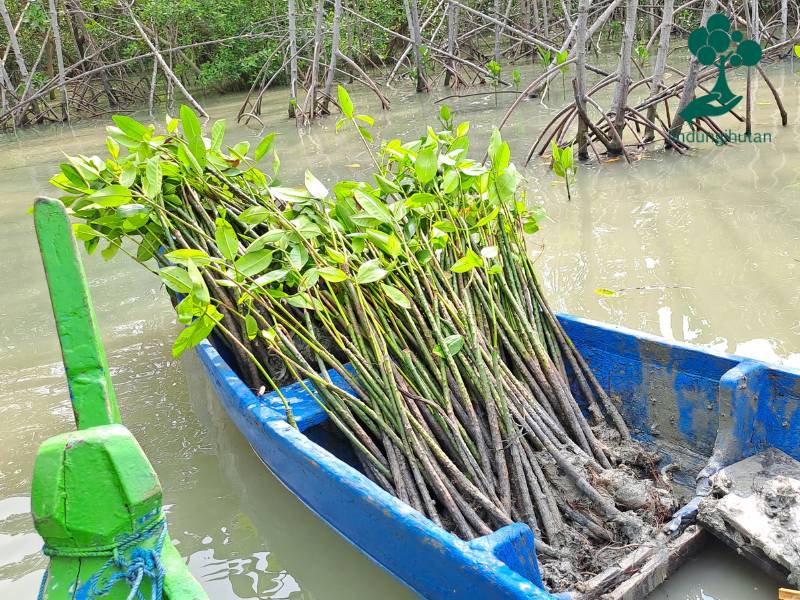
column 716, row 44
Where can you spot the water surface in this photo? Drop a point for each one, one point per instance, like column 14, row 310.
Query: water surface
column 701, row 248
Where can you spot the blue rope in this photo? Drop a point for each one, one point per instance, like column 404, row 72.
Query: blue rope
column 143, row 562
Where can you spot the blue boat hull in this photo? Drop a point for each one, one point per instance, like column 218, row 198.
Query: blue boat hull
column 673, row 395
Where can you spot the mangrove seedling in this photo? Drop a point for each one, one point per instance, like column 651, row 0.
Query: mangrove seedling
column 414, row 287
column 564, row 165
column 516, row 78
column 446, row 117
column 494, row 69
column 545, row 58
column 642, row 54
column 561, row 58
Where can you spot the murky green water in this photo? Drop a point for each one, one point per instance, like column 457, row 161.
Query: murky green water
column 701, row 248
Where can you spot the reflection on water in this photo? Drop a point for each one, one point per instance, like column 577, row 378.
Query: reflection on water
column 701, row 248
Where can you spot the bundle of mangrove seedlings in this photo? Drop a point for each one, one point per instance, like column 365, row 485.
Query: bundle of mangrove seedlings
column 467, row 399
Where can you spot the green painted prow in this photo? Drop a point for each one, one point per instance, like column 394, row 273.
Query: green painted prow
column 96, row 499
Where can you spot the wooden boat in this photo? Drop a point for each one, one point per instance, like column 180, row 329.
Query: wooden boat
column 701, row 410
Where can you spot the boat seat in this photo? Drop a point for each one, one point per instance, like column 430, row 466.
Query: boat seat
column 306, row 410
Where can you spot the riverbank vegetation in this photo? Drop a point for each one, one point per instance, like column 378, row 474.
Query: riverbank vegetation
column 467, row 399
column 68, row 59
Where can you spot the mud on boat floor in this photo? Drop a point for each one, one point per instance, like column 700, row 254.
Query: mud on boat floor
column 754, row 507
column 596, row 544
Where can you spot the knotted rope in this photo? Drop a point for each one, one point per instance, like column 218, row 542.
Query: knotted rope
column 143, row 562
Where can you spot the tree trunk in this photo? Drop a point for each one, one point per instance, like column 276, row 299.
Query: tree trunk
column 310, row 104
column 12, row 36
column 49, row 64
column 452, row 40
column 87, row 47
column 292, row 8
column 151, row 100
column 546, row 14
column 498, row 30
column 620, row 101
column 62, row 80
column 412, row 14
column 580, row 78
column 168, row 72
column 690, row 83
column 784, row 20
column 337, row 15
column 661, row 63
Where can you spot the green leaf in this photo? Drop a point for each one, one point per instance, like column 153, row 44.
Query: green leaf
column 301, row 301
column 396, row 296
column 365, row 133
column 250, row 326
column 501, row 158
column 420, row 199
column 488, row 218
column 306, row 227
column 272, row 277
column 199, row 288
column 254, row 263
column 370, row 272
column 315, row 187
column 190, row 123
column 494, row 144
column 111, row 196
column 298, row 257
column 450, row 182
column 113, row 147
column 128, row 176
column 332, row 274
column 83, row 232
column 226, row 239
column 271, row 237
column 131, row 127
column 217, row 134
column 196, row 332
column 373, row 207
column 188, row 160
column 240, row 149
column 530, row 226
column 450, row 346
column 198, row 149
column 445, row 226
column 388, row 186
column 467, row 262
column 110, row 251
column 264, row 146
column 187, row 255
column 388, row 243
column 152, row 180
column 176, row 279
column 426, row 165
column 254, row 215
column 345, row 103
column 366, row 119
